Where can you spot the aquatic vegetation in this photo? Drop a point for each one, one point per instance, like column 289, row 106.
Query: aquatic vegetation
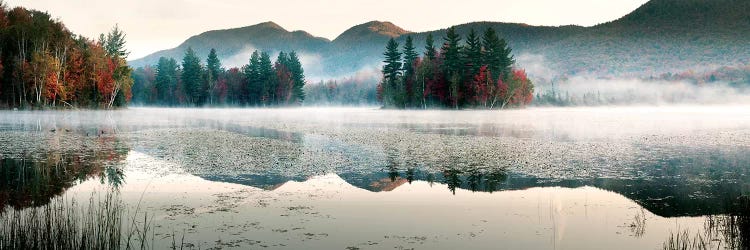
column 67, row 224
column 726, row 231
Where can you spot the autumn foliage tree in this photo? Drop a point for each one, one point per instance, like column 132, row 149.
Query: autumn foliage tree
column 47, row 66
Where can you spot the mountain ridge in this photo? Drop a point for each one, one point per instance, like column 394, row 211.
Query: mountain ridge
column 685, row 34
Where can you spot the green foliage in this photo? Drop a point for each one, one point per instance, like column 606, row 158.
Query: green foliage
column 298, row 77
column 266, row 78
column 460, row 77
column 259, row 83
column 473, row 53
column 392, row 74
column 213, row 66
column 166, row 81
column 429, row 48
column 192, row 73
column 114, row 43
column 451, row 52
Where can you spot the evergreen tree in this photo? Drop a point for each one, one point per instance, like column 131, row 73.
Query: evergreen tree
column 283, row 80
column 497, row 55
column 429, row 49
column 298, row 76
column 267, row 79
column 213, row 65
column 192, row 72
column 391, row 72
column 213, row 70
column 253, row 85
column 472, row 56
column 506, row 59
column 114, row 43
column 473, row 53
column 492, row 50
column 166, row 80
column 282, row 58
column 410, row 57
column 451, row 51
column 410, row 54
column 452, row 64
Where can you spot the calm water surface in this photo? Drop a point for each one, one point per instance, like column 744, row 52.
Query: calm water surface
column 579, row 178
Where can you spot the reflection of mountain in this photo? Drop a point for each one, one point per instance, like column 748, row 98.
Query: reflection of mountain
column 387, row 184
column 667, row 197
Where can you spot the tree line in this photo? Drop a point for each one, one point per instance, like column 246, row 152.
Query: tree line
column 43, row 64
column 261, row 82
column 477, row 73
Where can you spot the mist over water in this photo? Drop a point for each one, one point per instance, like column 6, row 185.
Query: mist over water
column 592, row 89
column 305, row 177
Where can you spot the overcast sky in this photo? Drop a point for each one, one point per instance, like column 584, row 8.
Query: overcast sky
column 154, row 25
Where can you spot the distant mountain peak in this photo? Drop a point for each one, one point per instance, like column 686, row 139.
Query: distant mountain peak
column 270, row 24
column 385, row 28
column 372, row 30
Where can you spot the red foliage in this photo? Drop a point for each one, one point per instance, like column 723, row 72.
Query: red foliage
column 221, row 89
column 74, row 74
column 52, row 87
column 502, row 88
column 235, row 84
column 437, row 85
column 523, row 93
column 285, row 83
column 105, row 81
column 480, row 86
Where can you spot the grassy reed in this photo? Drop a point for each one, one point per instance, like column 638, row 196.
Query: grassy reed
column 66, row 224
column 682, row 240
column 729, row 231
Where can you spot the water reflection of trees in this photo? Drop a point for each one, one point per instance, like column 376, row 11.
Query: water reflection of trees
column 457, row 175
column 475, row 180
column 34, row 180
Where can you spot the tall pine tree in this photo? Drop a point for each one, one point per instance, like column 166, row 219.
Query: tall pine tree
column 391, row 73
column 473, row 53
column 429, row 49
column 298, row 76
column 253, row 85
column 492, row 50
column 497, row 55
column 410, row 58
column 506, row 59
column 213, row 70
column 192, row 72
column 166, row 81
column 452, row 64
column 267, row 78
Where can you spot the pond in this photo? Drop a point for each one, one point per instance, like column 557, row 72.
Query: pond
column 365, row 178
